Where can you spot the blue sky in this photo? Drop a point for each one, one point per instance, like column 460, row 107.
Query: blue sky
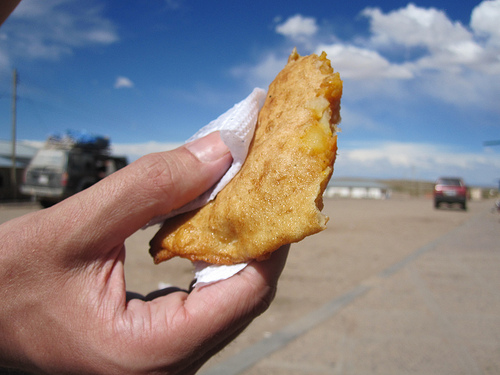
column 421, row 79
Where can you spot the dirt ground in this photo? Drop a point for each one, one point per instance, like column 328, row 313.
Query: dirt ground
column 363, row 238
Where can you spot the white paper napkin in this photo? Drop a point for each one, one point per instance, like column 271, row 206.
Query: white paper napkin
column 206, row 273
column 236, row 127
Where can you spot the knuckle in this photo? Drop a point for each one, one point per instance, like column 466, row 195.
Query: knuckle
column 161, row 176
column 158, row 171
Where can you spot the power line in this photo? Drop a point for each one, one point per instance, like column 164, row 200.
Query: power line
column 491, row 143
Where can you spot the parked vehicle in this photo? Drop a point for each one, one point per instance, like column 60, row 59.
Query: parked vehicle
column 497, row 206
column 450, row 190
column 67, row 165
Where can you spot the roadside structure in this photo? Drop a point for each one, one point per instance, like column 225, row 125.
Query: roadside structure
column 357, row 189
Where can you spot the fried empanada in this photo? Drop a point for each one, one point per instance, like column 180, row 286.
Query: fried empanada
column 277, row 196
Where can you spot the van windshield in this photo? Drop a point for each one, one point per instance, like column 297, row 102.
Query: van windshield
column 49, row 158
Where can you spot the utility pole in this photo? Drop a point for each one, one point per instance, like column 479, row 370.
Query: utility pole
column 13, row 176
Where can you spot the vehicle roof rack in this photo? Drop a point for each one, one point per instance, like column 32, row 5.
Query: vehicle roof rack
column 72, row 139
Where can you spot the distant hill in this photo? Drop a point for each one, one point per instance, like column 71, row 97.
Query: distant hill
column 411, row 187
column 415, row 187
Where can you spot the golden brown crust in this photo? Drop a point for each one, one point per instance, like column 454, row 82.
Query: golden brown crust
column 276, row 197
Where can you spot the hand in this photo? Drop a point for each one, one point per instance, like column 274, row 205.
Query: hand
column 64, row 304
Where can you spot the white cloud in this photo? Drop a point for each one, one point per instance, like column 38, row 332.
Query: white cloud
column 442, row 44
column 297, row 27
column 469, row 89
column 123, row 83
column 61, row 26
column 417, row 160
column 447, row 45
column 414, row 26
column 484, row 20
column 412, row 51
column 361, row 63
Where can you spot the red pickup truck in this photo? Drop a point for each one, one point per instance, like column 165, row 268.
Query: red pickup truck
column 450, row 190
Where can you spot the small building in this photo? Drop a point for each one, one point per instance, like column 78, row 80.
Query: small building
column 476, row 194
column 24, row 153
column 357, row 189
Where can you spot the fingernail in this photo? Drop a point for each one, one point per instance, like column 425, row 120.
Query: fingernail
column 209, row 148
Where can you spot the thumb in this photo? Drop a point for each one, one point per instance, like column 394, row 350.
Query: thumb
column 152, row 186
column 169, row 180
